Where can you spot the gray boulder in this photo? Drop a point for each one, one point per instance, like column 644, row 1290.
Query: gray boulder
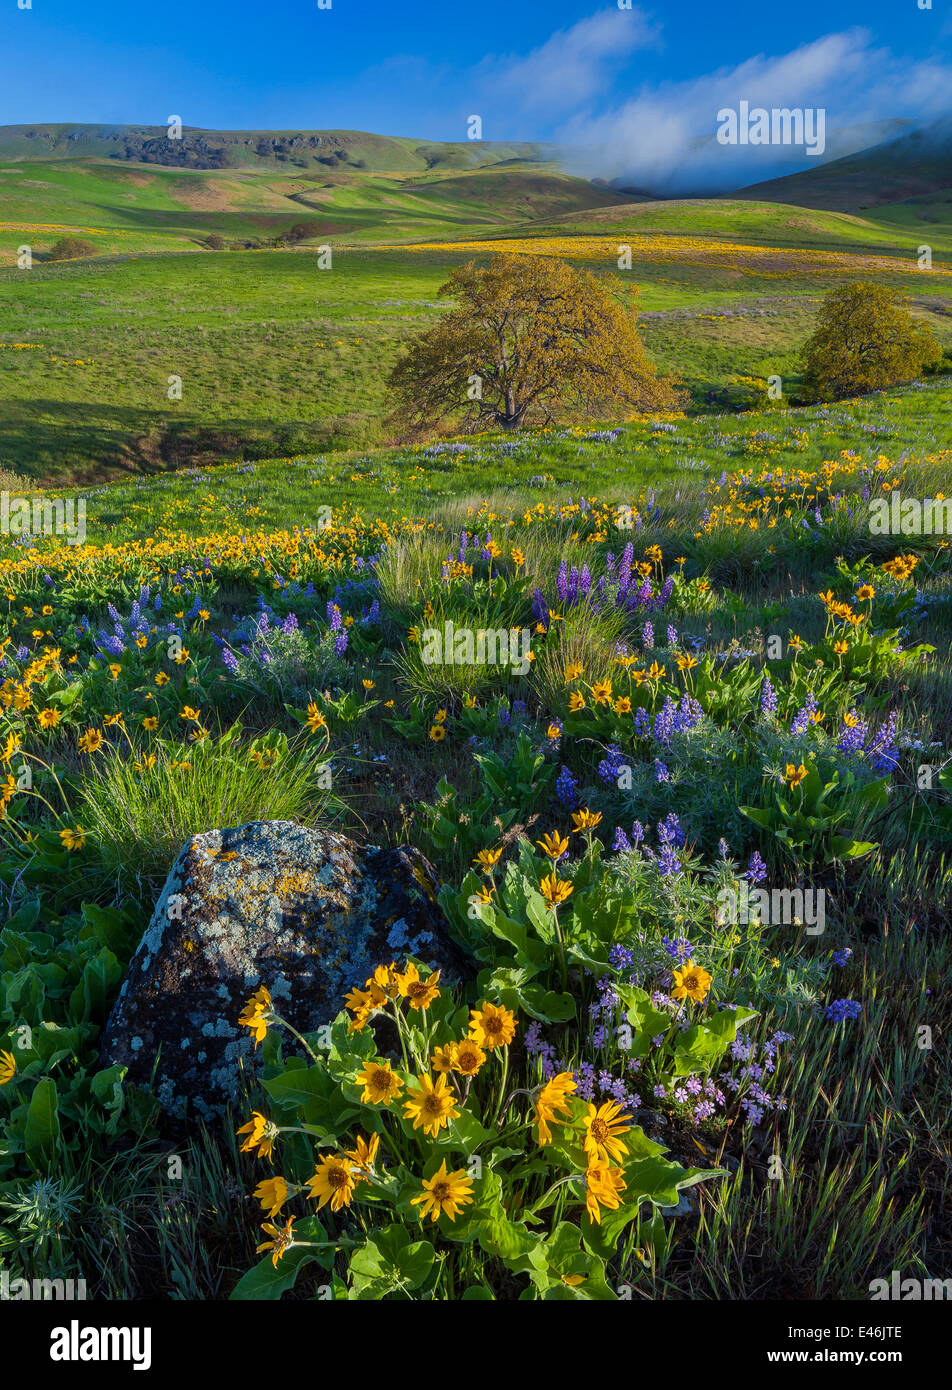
column 306, row 913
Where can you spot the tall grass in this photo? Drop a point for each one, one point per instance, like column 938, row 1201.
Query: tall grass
column 138, row 811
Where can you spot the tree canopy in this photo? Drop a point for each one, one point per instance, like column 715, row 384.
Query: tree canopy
column 865, row 339
column 528, row 336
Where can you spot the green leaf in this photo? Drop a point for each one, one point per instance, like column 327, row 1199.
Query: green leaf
column 42, row 1132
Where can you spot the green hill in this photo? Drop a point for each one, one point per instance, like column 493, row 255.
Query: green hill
column 256, row 149
column 913, row 167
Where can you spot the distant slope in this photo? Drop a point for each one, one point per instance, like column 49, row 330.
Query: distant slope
column 733, row 219
column 915, row 165
column 125, row 207
column 257, row 149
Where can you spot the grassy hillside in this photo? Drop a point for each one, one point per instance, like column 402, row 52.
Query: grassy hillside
column 765, row 223
column 121, row 208
column 915, row 165
column 255, row 149
column 278, row 357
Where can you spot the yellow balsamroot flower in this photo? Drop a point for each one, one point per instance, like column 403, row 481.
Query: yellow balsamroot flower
column 686, row 663
column 430, row 1105
column 440, row 717
column 437, row 733
column 691, row 982
column 553, row 732
column 604, row 1126
column 332, row 1181
column 73, row 839
column 257, row 1015
column 384, row 983
column 363, row 1155
column 367, row 684
column 8, row 1067
column 841, row 647
column 469, row 701
column 622, row 705
column 91, row 741
column 150, row 724
column 162, row 678
column 602, row 692
column 553, row 844
column 467, row 1057
column 261, row 1134
column 282, row 1238
column 418, row 993
column 573, row 671
column 115, row 670
column 381, row 1085
column 491, row 1025
column 795, row 775
column 487, row 859
column 442, row 1059
column 191, row 716
column 586, row 820
column 182, row 657
column 576, row 701
column 517, row 557
column 603, row 1188
column 10, row 747
column 49, row 718
column 444, row 1194
column 864, row 592
column 315, row 720
column 655, row 672
column 362, row 1005
column 272, row 1193
column 555, row 891
column 551, row 1105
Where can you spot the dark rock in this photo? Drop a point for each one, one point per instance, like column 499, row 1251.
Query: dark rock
column 306, row 913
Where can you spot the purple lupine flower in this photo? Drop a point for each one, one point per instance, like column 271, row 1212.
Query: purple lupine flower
column 801, row 720
column 609, row 769
column 566, row 788
column 647, row 635
column 841, row 957
column 756, row 869
column 768, row 697
column 843, row 1009
column 621, row 843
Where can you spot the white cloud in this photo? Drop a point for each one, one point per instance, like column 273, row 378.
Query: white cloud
column 572, row 66
column 662, row 137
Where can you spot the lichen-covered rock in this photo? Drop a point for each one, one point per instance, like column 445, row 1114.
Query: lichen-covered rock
column 307, row 913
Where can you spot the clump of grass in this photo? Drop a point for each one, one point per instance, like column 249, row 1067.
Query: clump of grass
column 584, row 638
column 139, row 809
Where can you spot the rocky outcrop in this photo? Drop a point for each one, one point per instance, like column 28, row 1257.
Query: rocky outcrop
column 307, row 913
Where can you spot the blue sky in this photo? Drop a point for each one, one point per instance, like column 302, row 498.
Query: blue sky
column 652, row 77
column 415, row 68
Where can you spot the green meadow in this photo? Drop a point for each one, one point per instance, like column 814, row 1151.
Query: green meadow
column 276, row 356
